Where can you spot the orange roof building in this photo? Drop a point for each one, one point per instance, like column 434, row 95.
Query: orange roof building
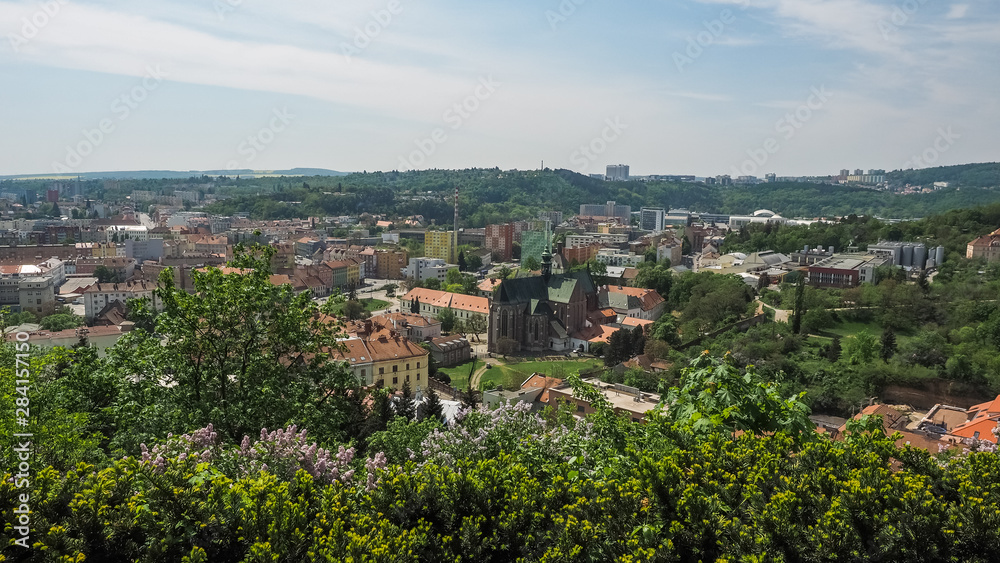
column 433, row 302
column 983, row 419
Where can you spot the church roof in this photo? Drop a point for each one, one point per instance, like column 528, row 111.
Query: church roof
column 559, row 288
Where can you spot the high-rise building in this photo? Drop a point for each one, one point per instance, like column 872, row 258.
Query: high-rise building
column 440, row 244
column 554, row 217
column 500, row 241
column 535, row 243
column 652, row 218
column 617, row 173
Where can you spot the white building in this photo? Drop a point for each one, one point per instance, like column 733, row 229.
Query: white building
column 652, row 219
column 37, row 294
column 617, row 173
column 142, row 250
column 613, row 257
column 97, row 296
column 125, row 232
column 422, row 269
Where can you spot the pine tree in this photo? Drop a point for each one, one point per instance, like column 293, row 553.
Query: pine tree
column 432, row 407
column 888, row 344
column 462, row 264
column 833, row 354
column 800, row 300
column 415, row 306
column 638, row 341
column 405, row 405
column 380, row 414
column 470, row 399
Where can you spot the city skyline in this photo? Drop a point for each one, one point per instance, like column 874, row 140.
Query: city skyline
column 708, row 87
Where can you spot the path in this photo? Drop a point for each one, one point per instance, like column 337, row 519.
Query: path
column 780, row 315
column 477, row 376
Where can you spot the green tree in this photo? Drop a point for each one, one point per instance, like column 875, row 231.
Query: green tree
column 833, row 353
column 716, row 397
column 656, row 277
column 462, row 264
column 475, row 262
column 405, row 404
column 599, row 271
column 476, row 325
column 415, row 306
column 531, row 264
column 861, row 348
column 799, row 310
column 432, row 409
column 241, row 353
column 888, row 344
column 107, row 275
column 56, row 323
column 353, row 310
column 447, row 318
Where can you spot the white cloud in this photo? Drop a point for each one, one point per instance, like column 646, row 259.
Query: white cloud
column 957, row 11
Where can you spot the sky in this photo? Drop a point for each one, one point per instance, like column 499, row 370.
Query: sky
column 703, row 87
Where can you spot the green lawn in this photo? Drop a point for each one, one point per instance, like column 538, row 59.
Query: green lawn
column 370, row 304
column 851, row 328
column 513, row 375
column 460, row 374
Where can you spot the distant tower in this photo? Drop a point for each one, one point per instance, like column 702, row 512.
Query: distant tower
column 456, row 223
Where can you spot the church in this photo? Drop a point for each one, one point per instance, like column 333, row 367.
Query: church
column 541, row 313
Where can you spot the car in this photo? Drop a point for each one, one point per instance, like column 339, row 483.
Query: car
column 489, row 365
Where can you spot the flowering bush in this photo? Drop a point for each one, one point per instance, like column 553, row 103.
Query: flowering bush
column 513, row 428
column 281, row 452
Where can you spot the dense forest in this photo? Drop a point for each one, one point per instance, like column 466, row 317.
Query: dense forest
column 491, row 195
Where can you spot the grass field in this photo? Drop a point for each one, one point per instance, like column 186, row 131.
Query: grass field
column 513, row 375
column 460, row 374
column 851, row 328
column 370, row 304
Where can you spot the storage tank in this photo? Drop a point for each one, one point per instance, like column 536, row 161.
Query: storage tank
column 919, row 256
column 907, row 256
column 939, row 255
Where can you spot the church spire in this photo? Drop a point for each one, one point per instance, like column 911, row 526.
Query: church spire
column 546, row 265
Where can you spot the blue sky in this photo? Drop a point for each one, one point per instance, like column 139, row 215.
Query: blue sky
column 700, row 87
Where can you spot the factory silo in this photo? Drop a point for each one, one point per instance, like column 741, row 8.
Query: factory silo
column 919, row 256
column 939, row 256
column 907, row 256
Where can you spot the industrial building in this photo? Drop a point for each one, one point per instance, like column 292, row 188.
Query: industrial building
column 909, row 255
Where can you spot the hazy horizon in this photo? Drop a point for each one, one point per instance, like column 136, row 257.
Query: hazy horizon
column 701, row 87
